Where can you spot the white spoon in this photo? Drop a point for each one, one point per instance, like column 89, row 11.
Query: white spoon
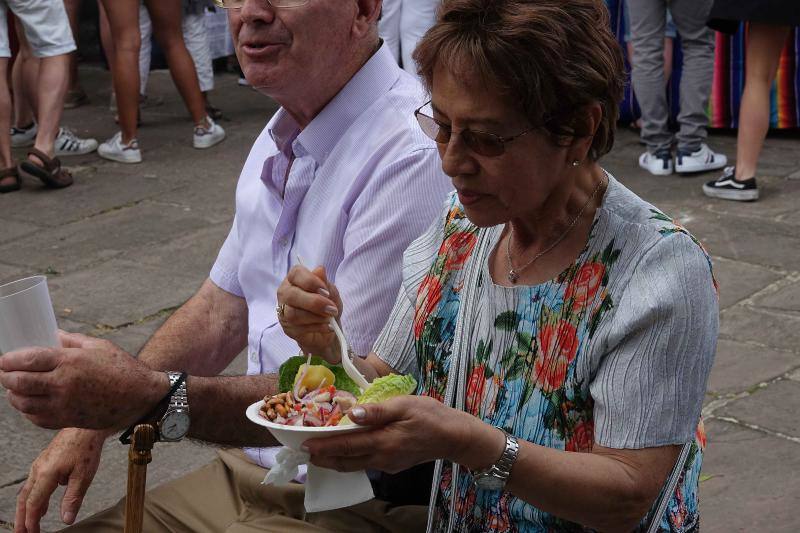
column 349, row 368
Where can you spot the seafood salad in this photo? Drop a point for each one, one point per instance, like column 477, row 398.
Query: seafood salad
column 314, row 400
column 323, row 406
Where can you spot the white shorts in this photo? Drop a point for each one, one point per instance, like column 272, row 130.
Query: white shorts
column 45, row 23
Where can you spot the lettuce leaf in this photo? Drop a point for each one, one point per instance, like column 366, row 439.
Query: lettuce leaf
column 381, row 389
column 288, row 371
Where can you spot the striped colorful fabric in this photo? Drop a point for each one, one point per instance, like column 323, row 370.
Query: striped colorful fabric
column 729, row 73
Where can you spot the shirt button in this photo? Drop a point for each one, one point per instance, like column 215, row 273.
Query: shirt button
column 253, row 356
column 283, row 242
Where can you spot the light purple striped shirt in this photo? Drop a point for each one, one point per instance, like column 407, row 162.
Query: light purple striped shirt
column 364, row 183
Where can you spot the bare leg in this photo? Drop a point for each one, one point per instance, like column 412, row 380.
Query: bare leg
column 51, row 88
column 105, row 36
column 24, row 74
column 123, row 19
column 73, row 8
column 166, row 16
column 764, row 45
column 5, row 120
column 23, row 114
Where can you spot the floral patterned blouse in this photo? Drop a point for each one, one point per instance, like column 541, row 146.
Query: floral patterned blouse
column 616, row 350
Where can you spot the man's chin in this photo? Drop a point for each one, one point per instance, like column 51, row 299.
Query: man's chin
column 263, row 74
column 262, row 83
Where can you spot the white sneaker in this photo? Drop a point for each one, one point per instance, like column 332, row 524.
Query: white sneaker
column 21, row 137
column 702, row 160
column 67, row 143
column 114, row 150
column 658, row 164
column 206, row 137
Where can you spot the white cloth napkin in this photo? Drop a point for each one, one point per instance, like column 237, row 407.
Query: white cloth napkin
column 325, row 489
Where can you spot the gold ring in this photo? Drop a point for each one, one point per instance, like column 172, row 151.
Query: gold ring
column 280, row 309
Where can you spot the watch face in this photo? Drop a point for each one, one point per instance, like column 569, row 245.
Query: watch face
column 175, row 425
column 489, row 482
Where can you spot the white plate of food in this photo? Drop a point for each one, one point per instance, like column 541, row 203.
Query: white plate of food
column 294, row 436
column 314, row 406
column 325, row 489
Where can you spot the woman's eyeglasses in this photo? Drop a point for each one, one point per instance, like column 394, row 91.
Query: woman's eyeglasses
column 237, row 4
column 480, row 142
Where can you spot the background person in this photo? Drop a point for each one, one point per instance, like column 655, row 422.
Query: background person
column 767, row 31
column 47, row 31
column 25, row 80
column 647, row 21
column 123, row 18
column 195, row 37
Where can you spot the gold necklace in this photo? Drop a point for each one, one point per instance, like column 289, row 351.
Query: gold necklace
column 513, row 273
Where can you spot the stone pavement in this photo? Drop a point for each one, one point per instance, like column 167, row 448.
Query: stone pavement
column 128, row 244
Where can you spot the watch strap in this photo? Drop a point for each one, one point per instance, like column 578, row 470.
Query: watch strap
column 179, row 398
column 178, row 404
column 158, row 411
column 501, row 469
column 509, row 457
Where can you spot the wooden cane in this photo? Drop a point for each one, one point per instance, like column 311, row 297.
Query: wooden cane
column 144, row 436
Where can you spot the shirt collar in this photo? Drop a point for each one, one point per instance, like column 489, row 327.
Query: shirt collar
column 283, row 130
column 376, row 77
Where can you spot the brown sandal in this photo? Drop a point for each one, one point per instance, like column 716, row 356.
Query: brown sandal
column 10, row 172
column 49, row 172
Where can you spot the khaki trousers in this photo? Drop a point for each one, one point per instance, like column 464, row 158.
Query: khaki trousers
column 227, row 496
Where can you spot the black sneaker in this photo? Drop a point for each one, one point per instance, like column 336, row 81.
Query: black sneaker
column 728, row 188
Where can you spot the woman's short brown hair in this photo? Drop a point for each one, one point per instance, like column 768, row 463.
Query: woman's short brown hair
column 553, row 56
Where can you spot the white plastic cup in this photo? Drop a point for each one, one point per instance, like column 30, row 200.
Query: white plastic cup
column 26, row 315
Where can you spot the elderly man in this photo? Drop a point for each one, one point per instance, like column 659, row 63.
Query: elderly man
column 340, row 176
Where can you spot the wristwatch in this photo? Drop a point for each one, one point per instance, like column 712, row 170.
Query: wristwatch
column 174, row 424
column 496, row 476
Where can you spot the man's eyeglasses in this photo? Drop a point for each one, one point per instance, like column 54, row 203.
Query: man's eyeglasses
column 480, row 142
column 237, row 4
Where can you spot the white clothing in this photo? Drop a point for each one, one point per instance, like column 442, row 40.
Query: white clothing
column 45, row 24
column 218, row 34
column 403, row 23
column 196, row 40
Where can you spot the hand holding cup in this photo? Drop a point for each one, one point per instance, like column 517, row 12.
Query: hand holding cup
column 26, row 315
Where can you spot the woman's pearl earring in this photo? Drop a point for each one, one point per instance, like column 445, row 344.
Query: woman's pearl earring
column 576, row 163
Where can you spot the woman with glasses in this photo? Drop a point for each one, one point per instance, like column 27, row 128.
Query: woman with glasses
column 561, row 329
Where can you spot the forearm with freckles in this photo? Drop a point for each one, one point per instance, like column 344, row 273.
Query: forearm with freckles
column 607, row 489
column 217, row 409
column 203, row 336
